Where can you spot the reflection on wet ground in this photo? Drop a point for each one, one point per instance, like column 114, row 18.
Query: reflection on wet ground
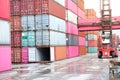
column 86, row 67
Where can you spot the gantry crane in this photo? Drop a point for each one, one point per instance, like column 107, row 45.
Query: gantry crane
column 106, row 24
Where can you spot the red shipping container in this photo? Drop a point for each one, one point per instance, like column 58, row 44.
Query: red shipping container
column 30, row 6
column 82, row 50
column 15, row 39
column 24, row 9
column 5, row 58
column 56, row 10
column 16, row 55
column 92, row 43
column 15, row 23
column 38, row 6
column 82, row 34
column 5, row 9
column 15, row 7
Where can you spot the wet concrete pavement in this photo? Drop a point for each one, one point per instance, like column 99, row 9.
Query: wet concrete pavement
column 86, row 67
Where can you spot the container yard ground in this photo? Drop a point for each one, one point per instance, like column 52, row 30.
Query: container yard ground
column 86, row 67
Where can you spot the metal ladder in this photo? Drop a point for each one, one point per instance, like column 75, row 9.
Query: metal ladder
column 106, row 17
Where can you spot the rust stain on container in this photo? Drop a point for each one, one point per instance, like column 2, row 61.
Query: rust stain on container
column 60, row 53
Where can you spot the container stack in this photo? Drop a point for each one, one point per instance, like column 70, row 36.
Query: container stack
column 5, row 49
column 71, row 28
column 82, row 43
column 90, row 13
column 44, row 30
column 92, row 37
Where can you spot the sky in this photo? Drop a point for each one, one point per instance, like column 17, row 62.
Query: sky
column 95, row 4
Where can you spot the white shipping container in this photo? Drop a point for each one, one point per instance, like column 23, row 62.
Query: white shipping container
column 46, row 21
column 27, row 22
column 4, row 32
column 71, row 17
column 52, row 54
column 61, row 2
column 31, row 54
column 50, row 38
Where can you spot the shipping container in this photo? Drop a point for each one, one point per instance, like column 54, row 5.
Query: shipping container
column 24, row 38
column 70, row 5
column 82, row 50
column 25, row 55
column 92, row 37
column 56, row 10
column 28, row 38
column 92, row 49
column 5, row 58
column 71, row 40
column 27, row 22
column 17, row 56
column 82, row 34
column 72, row 51
column 4, row 32
column 45, row 38
column 23, row 7
column 15, row 23
column 38, row 6
column 71, row 17
column 82, row 41
column 15, row 38
column 61, row 2
column 15, row 7
column 60, row 52
column 81, row 13
column 5, row 9
column 71, row 28
column 31, row 54
column 92, row 43
column 81, row 4
column 51, row 22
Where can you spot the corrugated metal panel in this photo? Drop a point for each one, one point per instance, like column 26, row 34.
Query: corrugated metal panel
column 70, row 16
column 81, row 13
column 17, row 55
column 71, row 28
column 38, row 7
column 4, row 32
column 72, row 51
column 60, row 52
column 31, row 38
column 16, row 39
column 15, row 7
column 92, row 49
column 24, row 39
column 52, row 54
column 61, row 2
column 5, row 58
column 42, row 21
column 27, row 22
column 71, row 40
column 70, row 5
column 31, row 54
column 24, row 55
column 82, row 41
column 5, row 9
column 15, row 23
column 46, row 38
column 46, row 21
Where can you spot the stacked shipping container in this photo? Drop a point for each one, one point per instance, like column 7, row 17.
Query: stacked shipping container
column 45, row 27
column 90, row 13
column 5, row 50
column 92, row 38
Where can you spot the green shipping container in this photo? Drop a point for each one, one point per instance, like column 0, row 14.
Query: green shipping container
column 28, row 38
column 31, row 38
column 92, row 49
column 86, row 43
column 24, row 39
